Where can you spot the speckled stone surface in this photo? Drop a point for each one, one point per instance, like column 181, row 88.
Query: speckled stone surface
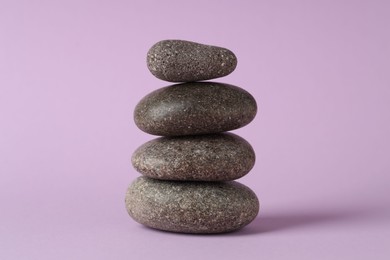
column 215, row 157
column 184, row 61
column 195, row 108
column 191, row 207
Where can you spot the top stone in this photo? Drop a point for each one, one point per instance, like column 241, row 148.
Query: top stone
column 185, row 61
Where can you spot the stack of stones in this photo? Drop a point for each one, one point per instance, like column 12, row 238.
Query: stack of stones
column 187, row 184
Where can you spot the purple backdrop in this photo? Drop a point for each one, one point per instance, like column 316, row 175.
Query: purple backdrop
column 71, row 73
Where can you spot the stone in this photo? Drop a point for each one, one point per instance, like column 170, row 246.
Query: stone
column 184, row 61
column 191, row 207
column 214, row 157
column 195, row 108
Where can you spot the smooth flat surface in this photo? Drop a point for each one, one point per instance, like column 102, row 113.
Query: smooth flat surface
column 71, row 73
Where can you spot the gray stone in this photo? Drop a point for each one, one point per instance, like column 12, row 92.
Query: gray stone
column 195, row 108
column 184, row 61
column 215, row 157
column 191, row 207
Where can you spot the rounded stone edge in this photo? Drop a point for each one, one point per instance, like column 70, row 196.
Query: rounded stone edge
column 158, row 132
column 140, row 168
column 158, row 74
column 235, row 229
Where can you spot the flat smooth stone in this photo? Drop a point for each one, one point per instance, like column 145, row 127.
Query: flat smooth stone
column 191, row 207
column 215, row 157
column 184, row 61
column 195, row 108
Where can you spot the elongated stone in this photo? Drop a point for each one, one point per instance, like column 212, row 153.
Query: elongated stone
column 195, row 108
column 215, row 157
column 191, row 207
column 184, row 61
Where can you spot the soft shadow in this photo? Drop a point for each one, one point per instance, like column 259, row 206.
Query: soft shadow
column 273, row 222
column 277, row 221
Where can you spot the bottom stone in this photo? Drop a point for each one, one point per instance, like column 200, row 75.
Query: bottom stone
column 191, row 207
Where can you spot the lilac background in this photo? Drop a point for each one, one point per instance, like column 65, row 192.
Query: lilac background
column 71, row 73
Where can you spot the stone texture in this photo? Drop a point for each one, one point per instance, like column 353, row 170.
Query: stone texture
column 184, row 61
column 191, row 207
column 195, row 108
column 215, row 157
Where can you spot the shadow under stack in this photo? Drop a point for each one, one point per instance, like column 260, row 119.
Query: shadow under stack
column 187, row 184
